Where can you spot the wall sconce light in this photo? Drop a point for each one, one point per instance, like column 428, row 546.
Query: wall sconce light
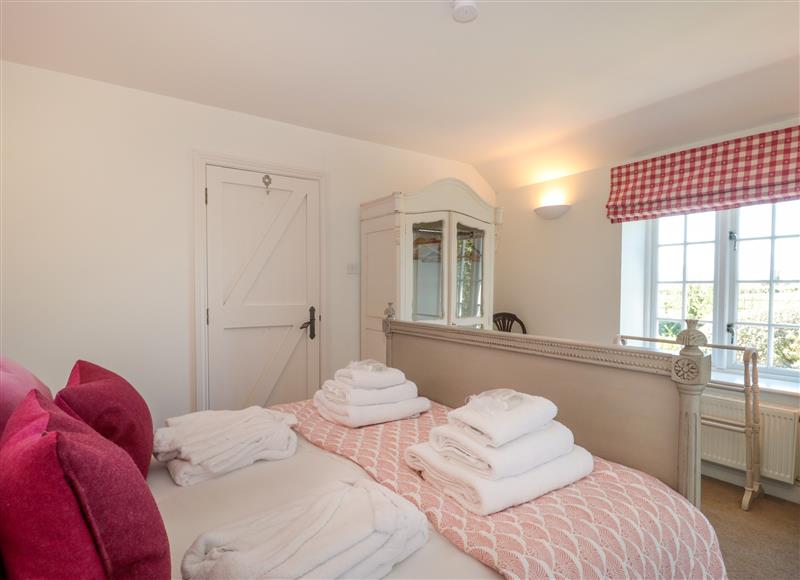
column 551, row 212
column 553, row 203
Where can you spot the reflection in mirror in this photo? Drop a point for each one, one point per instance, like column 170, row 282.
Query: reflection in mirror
column 427, row 302
column 469, row 271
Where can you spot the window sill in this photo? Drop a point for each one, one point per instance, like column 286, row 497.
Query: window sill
column 784, row 386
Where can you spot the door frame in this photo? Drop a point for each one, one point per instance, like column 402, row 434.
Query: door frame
column 201, row 159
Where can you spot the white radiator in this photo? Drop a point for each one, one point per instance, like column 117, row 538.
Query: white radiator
column 778, row 438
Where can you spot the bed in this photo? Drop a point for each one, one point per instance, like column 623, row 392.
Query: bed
column 188, row 511
column 637, row 411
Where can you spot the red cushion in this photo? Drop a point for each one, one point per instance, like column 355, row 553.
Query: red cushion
column 72, row 504
column 112, row 407
column 15, row 382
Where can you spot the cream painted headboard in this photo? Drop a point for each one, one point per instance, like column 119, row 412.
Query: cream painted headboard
column 634, row 406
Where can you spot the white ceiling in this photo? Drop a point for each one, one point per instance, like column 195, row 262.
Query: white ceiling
column 524, row 75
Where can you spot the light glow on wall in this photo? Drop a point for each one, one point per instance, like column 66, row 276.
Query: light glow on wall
column 541, row 175
column 550, row 201
column 552, row 195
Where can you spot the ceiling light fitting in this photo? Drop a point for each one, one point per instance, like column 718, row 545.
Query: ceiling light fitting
column 465, row 10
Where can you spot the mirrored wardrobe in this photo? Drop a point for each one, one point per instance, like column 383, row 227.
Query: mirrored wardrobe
column 431, row 254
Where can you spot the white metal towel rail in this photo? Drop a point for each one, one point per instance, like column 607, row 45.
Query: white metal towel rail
column 750, row 427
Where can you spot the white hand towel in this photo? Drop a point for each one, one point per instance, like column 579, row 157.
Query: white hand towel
column 369, row 374
column 483, row 496
column 185, row 473
column 202, row 445
column 501, row 415
column 341, row 530
column 515, row 457
column 196, row 429
column 347, row 395
column 353, row 416
column 208, row 417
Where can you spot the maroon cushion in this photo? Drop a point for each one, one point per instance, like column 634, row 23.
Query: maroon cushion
column 112, row 407
column 72, row 504
column 15, row 382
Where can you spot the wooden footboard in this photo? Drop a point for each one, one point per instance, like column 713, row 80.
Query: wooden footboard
column 633, row 406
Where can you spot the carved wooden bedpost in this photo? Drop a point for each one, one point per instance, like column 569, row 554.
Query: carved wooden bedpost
column 388, row 316
column 691, row 372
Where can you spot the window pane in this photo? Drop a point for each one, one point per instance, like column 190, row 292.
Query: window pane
column 670, row 230
column 700, row 262
column 786, row 348
column 786, row 303
column 701, row 227
column 754, row 258
column 754, row 336
column 700, row 301
column 787, row 259
column 787, row 218
column 755, row 221
column 428, row 295
column 752, row 304
column 670, row 263
column 469, row 271
column 669, row 328
column 670, row 300
column 707, row 329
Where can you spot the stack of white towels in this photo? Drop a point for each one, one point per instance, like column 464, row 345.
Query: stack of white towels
column 501, row 449
column 203, row 445
column 368, row 392
column 341, row 530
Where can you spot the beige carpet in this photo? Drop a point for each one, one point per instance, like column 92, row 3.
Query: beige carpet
column 763, row 543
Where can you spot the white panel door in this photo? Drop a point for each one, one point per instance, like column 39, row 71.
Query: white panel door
column 263, row 279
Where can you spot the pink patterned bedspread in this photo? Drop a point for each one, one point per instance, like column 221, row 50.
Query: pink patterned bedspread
column 615, row 523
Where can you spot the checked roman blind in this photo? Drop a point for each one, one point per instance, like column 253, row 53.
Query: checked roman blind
column 763, row 168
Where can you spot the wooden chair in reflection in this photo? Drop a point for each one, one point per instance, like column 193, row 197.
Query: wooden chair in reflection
column 504, row 321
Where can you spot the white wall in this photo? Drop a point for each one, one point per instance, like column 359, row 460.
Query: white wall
column 562, row 276
column 97, row 223
column 566, row 277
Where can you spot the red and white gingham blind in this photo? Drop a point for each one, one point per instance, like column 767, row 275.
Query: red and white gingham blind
column 759, row 168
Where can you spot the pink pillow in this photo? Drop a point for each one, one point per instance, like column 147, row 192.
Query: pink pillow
column 112, row 407
column 72, row 504
column 15, row 382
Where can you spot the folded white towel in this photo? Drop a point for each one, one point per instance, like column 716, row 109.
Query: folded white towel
column 347, row 395
column 515, row 457
column 369, row 374
column 209, row 443
column 185, row 473
column 501, row 415
column 206, row 418
column 341, row 530
column 359, row 416
column 484, row 496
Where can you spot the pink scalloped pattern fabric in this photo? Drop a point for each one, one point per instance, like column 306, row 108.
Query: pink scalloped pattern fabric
column 615, row 523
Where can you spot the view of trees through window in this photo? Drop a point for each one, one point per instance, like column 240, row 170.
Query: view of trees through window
column 685, row 273
column 469, row 271
column 767, row 285
column 756, row 301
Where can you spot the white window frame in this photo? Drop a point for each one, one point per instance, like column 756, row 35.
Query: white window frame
column 725, row 290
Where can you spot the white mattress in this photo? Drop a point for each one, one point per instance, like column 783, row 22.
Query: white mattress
column 189, row 511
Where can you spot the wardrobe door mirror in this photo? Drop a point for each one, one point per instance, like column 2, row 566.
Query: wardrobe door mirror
column 469, row 272
column 428, row 271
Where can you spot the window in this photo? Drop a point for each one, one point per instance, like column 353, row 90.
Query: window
column 685, row 273
column 736, row 271
column 469, row 271
column 766, row 283
column 428, row 271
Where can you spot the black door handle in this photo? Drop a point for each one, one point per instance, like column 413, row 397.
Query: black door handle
column 311, row 323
